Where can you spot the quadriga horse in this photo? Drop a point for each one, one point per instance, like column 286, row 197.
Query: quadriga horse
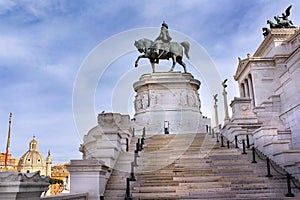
column 176, row 53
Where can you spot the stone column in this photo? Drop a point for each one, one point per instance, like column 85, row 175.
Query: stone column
column 216, row 110
column 251, row 89
column 242, row 90
column 225, row 101
column 246, row 88
column 88, row 176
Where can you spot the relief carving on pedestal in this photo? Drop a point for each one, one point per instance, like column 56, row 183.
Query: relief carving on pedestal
column 153, row 99
column 145, row 100
column 183, row 98
column 137, row 103
column 193, row 99
column 244, row 107
column 141, row 101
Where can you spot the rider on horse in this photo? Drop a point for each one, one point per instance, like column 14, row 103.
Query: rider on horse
column 162, row 42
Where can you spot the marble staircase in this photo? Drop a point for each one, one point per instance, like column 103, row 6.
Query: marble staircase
column 193, row 166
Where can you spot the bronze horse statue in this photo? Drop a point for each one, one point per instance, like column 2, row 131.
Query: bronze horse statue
column 176, row 53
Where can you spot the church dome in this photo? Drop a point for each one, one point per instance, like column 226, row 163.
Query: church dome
column 32, row 160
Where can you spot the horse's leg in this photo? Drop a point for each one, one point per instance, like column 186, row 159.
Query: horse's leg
column 153, row 66
column 174, row 62
column 179, row 60
column 152, row 61
column 137, row 60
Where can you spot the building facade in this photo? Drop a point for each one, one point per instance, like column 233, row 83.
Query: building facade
column 33, row 161
column 268, row 109
column 12, row 163
column 60, row 172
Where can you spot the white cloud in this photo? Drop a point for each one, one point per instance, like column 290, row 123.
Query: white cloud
column 6, row 6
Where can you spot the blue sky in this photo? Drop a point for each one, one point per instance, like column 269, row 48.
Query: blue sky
column 44, row 43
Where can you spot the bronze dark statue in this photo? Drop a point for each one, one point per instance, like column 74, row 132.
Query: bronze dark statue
column 266, row 31
column 162, row 48
column 283, row 20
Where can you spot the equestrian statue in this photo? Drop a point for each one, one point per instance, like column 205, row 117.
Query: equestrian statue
column 162, row 48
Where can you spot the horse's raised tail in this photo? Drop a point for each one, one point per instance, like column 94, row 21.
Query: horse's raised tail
column 186, row 46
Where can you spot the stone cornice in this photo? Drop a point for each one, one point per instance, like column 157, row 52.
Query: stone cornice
column 295, row 35
column 88, row 166
column 166, row 78
column 245, row 63
column 275, row 34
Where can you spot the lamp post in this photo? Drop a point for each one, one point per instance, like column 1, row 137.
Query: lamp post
column 216, row 111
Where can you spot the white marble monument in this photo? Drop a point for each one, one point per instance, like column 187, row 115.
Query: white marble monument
column 168, row 102
column 268, row 107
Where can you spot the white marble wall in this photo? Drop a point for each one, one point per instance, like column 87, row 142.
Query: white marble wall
column 172, row 97
column 105, row 141
column 290, row 99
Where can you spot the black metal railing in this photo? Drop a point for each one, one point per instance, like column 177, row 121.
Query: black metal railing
column 269, row 163
column 139, row 146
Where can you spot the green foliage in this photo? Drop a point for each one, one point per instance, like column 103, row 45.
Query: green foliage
column 54, row 181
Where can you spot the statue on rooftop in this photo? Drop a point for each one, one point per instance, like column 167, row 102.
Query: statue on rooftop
column 162, row 48
column 283, row 20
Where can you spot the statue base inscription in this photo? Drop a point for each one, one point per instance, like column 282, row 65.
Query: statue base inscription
column 169, row 102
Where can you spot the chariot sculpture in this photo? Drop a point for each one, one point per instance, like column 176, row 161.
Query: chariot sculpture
column 281, row 22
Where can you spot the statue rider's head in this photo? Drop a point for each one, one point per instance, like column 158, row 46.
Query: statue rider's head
column 164, row 25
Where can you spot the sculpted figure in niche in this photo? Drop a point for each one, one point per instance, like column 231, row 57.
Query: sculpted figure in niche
column 137, row 103
column 153, row 99
column 198, row 102
column 191, row 100
column 145, row 102
column 183, row 98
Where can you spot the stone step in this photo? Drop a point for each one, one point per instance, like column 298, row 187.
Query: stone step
column 194, row 167
column 202, row 192
column 197, row 179
column 115, row 193
column 154, row 189
column 156, row 183
column 203, row 185
column 209, row 194
column 156, row 195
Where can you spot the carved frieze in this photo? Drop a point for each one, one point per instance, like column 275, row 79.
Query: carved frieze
column 23, row 177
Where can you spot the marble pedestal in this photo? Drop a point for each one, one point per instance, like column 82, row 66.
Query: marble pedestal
column 106, row 140
column 18, row 186
column 88, row 176
column 168, row 101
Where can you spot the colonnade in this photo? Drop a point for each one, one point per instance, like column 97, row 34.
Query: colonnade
column 246, row 88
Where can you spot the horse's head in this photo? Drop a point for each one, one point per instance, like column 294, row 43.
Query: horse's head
column 139, row 45
column 277, row 19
